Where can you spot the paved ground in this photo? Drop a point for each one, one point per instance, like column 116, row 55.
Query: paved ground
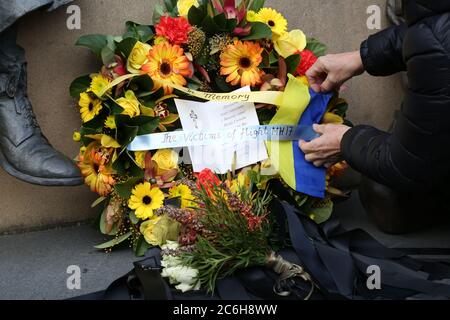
column 34, row 265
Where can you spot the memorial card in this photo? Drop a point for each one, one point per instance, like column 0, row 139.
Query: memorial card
column 207, row 116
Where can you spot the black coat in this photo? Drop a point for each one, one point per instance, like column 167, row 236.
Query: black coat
column 416, row 157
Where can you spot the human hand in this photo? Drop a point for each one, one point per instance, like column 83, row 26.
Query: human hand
column 331, row 71
column 325, row 150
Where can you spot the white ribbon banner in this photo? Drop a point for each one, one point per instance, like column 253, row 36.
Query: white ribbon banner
column 231, row 136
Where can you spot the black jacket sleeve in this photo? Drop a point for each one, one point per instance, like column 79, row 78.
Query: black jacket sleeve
column 382, row 53
column 380, row 156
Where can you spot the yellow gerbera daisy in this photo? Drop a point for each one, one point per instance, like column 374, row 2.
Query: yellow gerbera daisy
column 273, row 19
column 184, row 192
column 89, row 107
column 145, row 199
column 240, row 63
column 167, row 63
column 98, row 84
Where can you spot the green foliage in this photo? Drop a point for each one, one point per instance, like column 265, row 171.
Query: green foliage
column 98, row 202
column 98, row 122
column 256, row 5
column 292, row 63
column 142, row 83
column 125, row 165
column 139, row 32
column 197, row 15
column 124, row 189
column 143, row 124
column 108, row 56
column 259, row 31
column 85, row 132
column 317, row 47
column 80, row 85
column 140, row 247
column 94, row 42
column 229, row 244
column 116, row 241
column 126, row 46
column 321, row 212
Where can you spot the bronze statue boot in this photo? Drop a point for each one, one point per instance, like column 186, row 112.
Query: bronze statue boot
column 25, row 153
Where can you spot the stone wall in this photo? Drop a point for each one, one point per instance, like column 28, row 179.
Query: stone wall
column 54, row 61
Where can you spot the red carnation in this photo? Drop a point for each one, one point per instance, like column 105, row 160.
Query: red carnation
column 176, row 30
column 207, row 179
column 308, row 60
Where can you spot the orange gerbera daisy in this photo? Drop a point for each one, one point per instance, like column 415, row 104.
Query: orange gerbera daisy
column 168, row 64
column 96, row 169
column 240, row 63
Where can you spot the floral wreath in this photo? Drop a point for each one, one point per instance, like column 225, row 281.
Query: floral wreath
column 201, row 220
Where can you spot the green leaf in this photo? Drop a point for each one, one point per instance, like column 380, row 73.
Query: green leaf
column 145, row 124
column 114, row 242
column 231, row 25
column 98, row 201
column 84, row 132
column 317, row 47
column 94, row 42
column 126, row 46
column 142, row 83
column 126, row 134
column 222, row 84
column 114, row 107
column 141, row 247
column 134, row 220
column 98, row 121
column 170, row 5
column 108, row 56
column 114, row 229
column 210, row 27
column 138, row 31
column 259, row 31
column 197, row 15
column 320, row 215
column 257, row 5
column 292, row 63
column 221, row 21
column 124, row 189
column 80, row 85
column 158, row 13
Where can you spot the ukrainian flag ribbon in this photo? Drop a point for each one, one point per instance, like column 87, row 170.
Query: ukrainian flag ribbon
column 300, row 106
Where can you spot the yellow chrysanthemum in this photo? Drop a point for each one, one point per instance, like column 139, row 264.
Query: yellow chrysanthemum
column 139, row 157
column 89, row 107
column 98, row 84
column 110, row 122
column 273, row 19
column 145, row 200
column 168, row 63
column 240, row 63
column 184, row 192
